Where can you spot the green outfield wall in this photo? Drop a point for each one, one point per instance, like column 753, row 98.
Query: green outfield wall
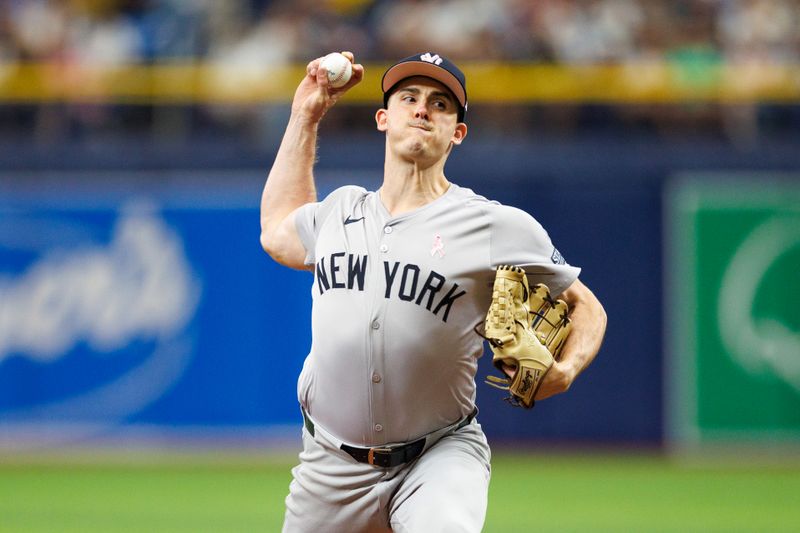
column 733, row 297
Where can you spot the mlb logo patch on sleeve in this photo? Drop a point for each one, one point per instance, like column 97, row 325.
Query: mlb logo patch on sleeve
column 557, row 258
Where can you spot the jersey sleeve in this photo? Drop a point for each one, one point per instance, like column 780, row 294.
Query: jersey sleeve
column 518, row 239
column 309, row 218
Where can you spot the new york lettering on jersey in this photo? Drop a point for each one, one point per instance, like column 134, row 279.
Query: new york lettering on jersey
column 405, row 281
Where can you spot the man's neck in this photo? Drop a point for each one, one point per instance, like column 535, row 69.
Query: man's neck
column 407, row 187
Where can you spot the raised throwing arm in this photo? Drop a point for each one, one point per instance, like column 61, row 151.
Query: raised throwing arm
column 290, row 183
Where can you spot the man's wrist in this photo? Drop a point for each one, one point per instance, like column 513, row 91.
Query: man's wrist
column 304, row 120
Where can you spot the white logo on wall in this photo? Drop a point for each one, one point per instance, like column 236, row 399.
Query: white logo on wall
column 139, row 286
column 760, row 344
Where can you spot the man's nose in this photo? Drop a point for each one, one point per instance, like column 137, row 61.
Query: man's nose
column 421, row 111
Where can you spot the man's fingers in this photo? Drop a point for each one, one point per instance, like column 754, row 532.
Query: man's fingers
column 311, row 68
column 358, row 72
column 322, row 77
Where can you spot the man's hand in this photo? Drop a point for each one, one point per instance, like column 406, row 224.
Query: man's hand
column 557, row 380
column 314, row 96
column 589, row 325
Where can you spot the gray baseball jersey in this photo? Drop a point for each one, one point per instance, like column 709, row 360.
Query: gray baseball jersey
column 395, row 301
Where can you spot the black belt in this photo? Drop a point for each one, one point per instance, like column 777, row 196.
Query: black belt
column 386, row 456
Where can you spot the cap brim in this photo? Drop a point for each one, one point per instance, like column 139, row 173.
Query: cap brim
column 408, row 69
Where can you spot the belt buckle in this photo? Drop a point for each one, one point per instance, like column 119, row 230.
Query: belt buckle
column 371, row 454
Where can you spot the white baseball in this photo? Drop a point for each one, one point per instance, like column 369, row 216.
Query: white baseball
column 339, row 69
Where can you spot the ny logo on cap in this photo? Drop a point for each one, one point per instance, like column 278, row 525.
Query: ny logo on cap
column 435, row 59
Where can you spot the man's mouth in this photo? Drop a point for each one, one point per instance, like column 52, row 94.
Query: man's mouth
column 420, row 125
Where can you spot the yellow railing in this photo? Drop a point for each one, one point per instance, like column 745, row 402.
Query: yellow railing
column 643, row 82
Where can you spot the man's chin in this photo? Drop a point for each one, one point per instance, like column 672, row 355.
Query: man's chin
column 416, row 147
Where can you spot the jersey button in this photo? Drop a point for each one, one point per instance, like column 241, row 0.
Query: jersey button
column 376, row 378
column 376, row 325
column 384, row 248
column 387, row 230
column 378, row 427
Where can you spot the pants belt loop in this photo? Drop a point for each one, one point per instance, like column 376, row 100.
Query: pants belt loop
column 307, row 422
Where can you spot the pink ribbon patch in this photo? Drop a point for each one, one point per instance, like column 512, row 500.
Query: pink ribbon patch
column 438, row 246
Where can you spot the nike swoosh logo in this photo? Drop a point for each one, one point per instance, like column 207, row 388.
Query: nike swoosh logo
column 349, row 220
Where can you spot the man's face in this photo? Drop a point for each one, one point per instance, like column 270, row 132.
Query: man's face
column 421, row 121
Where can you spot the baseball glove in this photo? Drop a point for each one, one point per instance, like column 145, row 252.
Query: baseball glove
column 526, row 330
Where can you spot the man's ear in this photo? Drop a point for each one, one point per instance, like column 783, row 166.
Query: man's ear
column 460, row 133
column 380, row 119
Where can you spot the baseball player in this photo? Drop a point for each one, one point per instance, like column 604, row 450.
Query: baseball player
column 401, row 277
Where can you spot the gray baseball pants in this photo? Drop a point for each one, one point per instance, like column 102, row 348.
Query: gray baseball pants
column 443, row 490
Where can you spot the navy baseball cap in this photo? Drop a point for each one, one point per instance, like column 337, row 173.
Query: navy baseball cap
column 430, row 65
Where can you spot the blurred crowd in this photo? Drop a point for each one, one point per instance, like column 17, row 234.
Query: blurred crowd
column 562, row 31
column 262, row 32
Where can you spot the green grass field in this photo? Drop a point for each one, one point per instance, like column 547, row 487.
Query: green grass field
column 586, row 493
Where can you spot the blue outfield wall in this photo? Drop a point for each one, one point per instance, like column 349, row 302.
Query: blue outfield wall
column 613, row 232
column 145, row 310
column 139, row 303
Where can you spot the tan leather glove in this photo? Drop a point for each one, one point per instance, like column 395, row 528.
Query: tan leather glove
column 526, row 330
